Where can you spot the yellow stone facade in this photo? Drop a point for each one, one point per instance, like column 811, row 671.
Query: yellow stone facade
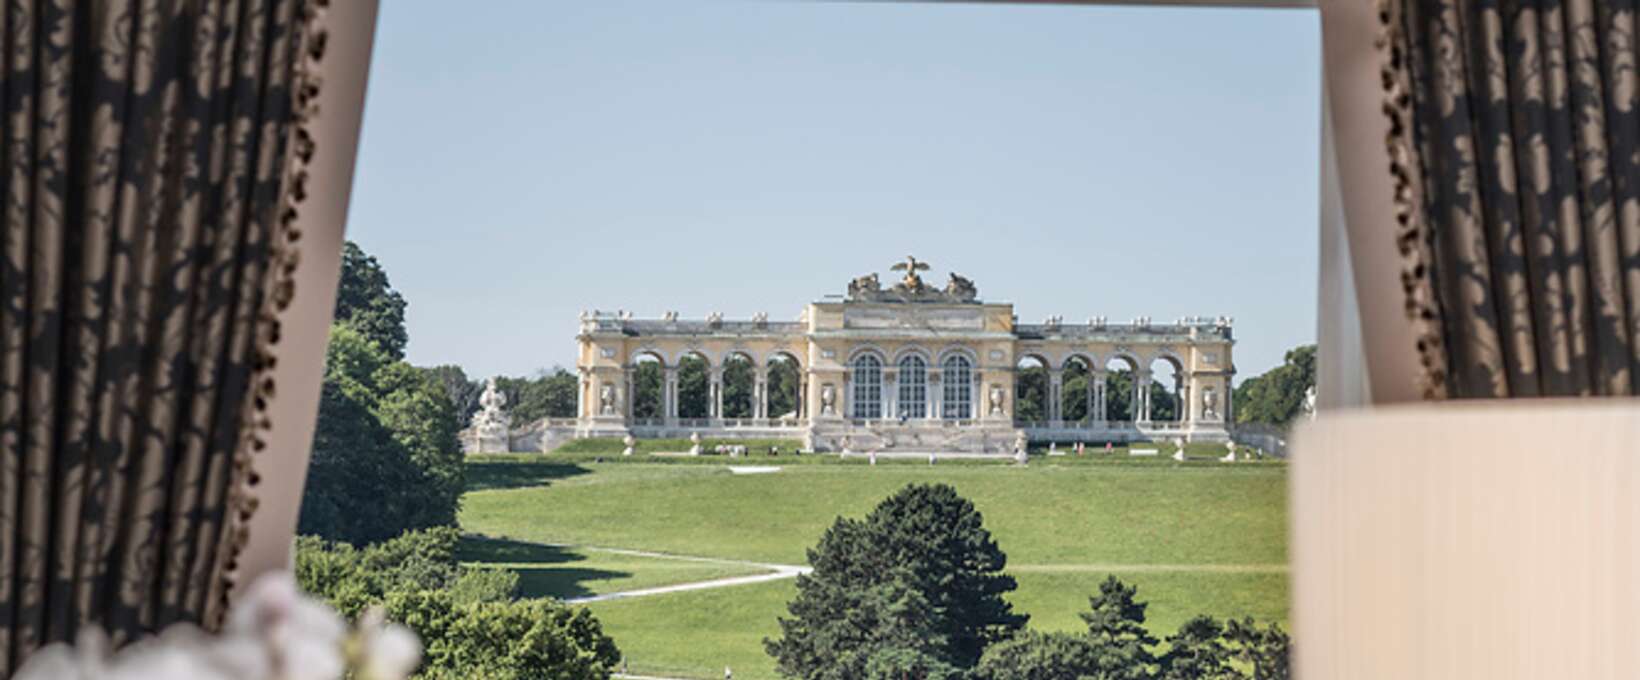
column 877, row 368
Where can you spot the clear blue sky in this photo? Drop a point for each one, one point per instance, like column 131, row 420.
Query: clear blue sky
column 524, row 160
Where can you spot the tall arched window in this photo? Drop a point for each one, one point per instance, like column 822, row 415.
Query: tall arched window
column 867, row 378
column 913, row 396
column 958, row 379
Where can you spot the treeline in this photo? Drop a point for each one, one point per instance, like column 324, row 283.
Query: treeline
column 916, row 590
column 1277, row 396
column 547, row 394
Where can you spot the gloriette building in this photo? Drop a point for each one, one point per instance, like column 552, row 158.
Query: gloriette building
column 909, row 367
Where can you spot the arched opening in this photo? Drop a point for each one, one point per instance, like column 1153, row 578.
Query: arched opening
column 694, row 388
column 1120, row 372
column 912, row 399
column 866, row 387
column 785, row 384
column 957, row 379
column 1076, row 390
column 1031, row 389
column 739, row 383
column 1166, row 389
column 648, row 385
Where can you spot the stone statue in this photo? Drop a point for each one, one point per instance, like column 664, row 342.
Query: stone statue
column 694, row 443
column 1210, row 404
column 864, row 287
column 1309, row 402
column 996, row 400
column 828, row 400
column 491, row 423
column 606, row 400
column 911, row 283
column 961, row 288
column 631, row 443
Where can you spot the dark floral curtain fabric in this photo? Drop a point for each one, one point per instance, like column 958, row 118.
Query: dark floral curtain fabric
column 1516, row 144
column 145, row 151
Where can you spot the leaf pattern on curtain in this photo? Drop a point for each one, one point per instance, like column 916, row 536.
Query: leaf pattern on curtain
column 1515, row 142
column 145, row 250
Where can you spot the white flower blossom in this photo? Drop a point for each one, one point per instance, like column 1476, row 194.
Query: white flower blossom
column 273, row 633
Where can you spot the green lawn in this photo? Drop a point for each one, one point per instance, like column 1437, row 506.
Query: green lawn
column 1195, row 538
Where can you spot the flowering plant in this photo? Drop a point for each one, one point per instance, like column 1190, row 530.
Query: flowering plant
column 274, row 633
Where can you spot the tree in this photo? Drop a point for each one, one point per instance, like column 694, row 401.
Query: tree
column 465, row 616
column 1031, row 393
column 784, row 382
column 647, row 389
column 1034, row 655
column 919, row 574
column 350, row 578
column 463, row 393
column 694, row 392
column 367, row 302
column 1266, row 651
column 550, row 394
column 1117, row 634
column 738, row 387
column 1197, row 652
column 1119, row 395
column 414, row 406
column 537, row 639
column 385, row 455
column 1277, row 396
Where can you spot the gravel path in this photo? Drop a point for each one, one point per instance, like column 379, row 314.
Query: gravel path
column 772, row 572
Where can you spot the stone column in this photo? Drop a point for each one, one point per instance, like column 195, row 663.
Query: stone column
column 1141, row 397
column 760, row 393
column 581, row 394
column 845, row 395
column 1099, row 411
column 671, row 395
column 891, row 395
column 936, row 393
column 629, row 398
column 1056, row 394
column 715, row 405
column 1178, row 397
column 802, row 396
column 1228, row 414
column 1186, row 415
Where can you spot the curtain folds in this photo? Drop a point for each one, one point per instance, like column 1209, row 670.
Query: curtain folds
column 146, row 198
column 1515, row 143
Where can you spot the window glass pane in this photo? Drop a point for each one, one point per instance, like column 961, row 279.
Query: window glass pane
column 913, row 395
column 867, row 377
column 959, row 386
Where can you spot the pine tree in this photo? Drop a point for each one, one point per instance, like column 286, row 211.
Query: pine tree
column 920, row 574
column 1116, row 628
column 1197, row 652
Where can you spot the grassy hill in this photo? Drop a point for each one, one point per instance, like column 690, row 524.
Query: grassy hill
column 1196, row 538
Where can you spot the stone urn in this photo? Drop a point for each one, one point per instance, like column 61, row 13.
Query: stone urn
column 631, row 442
column 694, row 443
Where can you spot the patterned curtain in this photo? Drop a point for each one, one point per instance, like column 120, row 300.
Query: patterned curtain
column 152, row 156
column 1515, row 143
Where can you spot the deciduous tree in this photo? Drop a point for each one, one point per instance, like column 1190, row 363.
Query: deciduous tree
column 1277, row 396
column 366, row 301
